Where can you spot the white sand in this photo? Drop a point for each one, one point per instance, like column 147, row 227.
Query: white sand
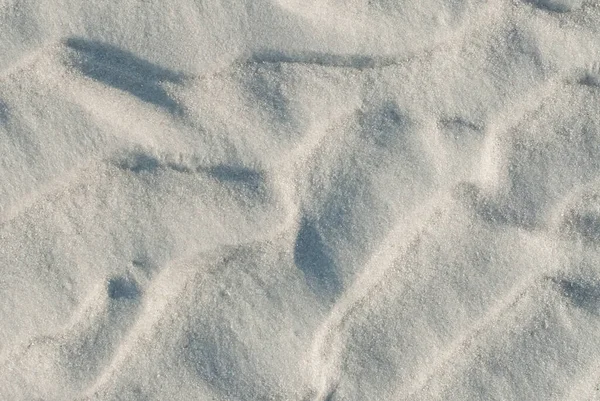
column 304, row 200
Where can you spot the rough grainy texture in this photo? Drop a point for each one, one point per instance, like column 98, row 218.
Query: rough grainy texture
column 317, row 200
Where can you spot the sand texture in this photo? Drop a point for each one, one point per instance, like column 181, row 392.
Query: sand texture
column 299, row 200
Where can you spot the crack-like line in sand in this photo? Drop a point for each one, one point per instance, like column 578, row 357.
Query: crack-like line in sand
column 351, row 61
column 362, row 62
column 467, row 338
column 368, row 281
column 170, row 283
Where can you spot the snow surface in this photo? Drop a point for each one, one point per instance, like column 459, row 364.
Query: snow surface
column 304, row 200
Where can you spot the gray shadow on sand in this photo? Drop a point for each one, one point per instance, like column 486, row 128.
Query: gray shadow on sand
column 123, row 70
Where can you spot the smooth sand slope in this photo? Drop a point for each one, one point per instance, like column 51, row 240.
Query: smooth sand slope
column 317, row 200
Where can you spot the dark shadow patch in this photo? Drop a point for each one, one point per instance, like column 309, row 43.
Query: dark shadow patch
column 122, row 288
column 590, row 80
column 236, row 175
column 312, row 258
column 585, row 224
column 588, row 225
column 583, row 295
column 139, row 162
column 355, row 61
column 3, row 112
column 555, row 6
column 331, row 395
column 123, row 70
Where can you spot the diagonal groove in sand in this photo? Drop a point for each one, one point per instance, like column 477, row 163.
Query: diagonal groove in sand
column 171, row 282
column 469, row 337
column 374, row 271
column 393, row 246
